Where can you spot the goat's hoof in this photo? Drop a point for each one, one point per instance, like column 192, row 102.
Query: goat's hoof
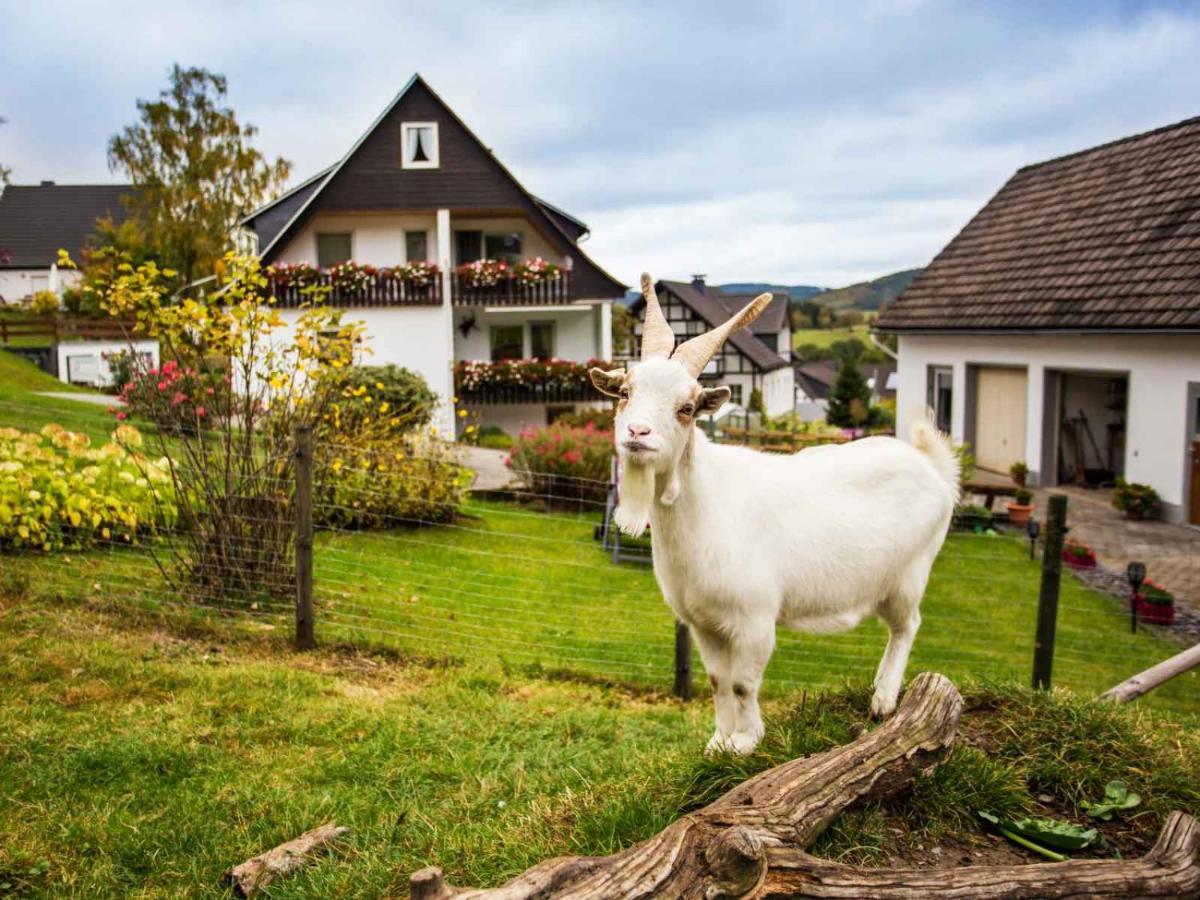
column 882, row 706
column 740, row 743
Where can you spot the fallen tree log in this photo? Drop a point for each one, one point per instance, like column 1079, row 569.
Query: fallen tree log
column 254, row 874
column 751, row 842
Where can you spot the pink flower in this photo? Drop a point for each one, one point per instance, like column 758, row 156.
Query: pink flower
column 122, row 415
column 177, row 399
column 200, row 411
column 162, row 385
column 573, row 457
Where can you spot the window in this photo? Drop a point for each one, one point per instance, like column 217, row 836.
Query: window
column 735, row 393
column 503, row 246
column 416, row 246
column 939, row 395
column 541, row 340
column 420, row 145
column 468, row 246
column 508, row 342
column 332, row 248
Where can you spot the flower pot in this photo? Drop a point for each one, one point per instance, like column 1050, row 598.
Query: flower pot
column 1079, row 562
column 1019, row 514
column 1155, row 613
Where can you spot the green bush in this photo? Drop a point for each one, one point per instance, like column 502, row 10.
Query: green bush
column 58, row 492
column 494, row 437
column 1137, row 501
column 371, row 391
column 563, row 463
column 599, row 419
column 43, row 303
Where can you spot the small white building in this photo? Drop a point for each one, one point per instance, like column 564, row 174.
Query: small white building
column 1061, row 327
column 419, row 187
column 757, row 358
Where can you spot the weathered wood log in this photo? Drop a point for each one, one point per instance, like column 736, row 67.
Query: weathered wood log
column 1144, row 682
column 1170, row 869
column 792, row 803
column 750, row 843
column 254, row 874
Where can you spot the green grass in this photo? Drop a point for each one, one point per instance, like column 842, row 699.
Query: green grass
column 142, row 758
column 23, row 406
column 824, row 338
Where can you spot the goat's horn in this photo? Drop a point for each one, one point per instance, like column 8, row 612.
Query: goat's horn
column 657, row 337
column 695, row 353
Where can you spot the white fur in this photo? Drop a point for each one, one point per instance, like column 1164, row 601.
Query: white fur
column 744, row 540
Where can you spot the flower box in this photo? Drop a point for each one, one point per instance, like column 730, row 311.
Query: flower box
column 1079, row 556
column 1155, row 613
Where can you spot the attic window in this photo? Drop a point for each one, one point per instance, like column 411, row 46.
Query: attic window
column 420, row 145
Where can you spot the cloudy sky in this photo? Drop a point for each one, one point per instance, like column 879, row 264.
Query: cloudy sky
column 814, row 143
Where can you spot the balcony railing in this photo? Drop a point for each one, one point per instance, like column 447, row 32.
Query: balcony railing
column 376, row 290
column 384, row 291
column 525, row 381
column 528, row 393
column 510, row 292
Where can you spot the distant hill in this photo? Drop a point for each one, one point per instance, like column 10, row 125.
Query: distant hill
column 869, row 296
column 795, row 291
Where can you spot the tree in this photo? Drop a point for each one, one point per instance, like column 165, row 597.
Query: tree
column 623, row 342
column 850, row 401
column 194, row 171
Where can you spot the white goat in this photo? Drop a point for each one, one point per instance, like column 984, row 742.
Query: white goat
column 744, row 540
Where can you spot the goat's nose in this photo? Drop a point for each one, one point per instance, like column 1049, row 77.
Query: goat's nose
column 637, row 429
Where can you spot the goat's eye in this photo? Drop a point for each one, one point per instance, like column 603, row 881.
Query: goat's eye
column 687, row 409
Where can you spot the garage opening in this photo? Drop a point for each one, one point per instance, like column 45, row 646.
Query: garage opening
column 1091, row 428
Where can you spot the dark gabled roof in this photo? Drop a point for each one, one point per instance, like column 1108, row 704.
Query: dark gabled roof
column 772, row 320
column 1107, row 239
column 469, row 179
column 710, row 305
column 37, row 220
column 816, row 378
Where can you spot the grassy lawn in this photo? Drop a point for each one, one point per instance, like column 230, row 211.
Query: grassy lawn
column 823, row 338
column 23, row 406
column 142, row 758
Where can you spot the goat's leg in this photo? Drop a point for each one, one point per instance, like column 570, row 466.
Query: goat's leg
column 903, row 618
column 714, row 650
column 751, row 651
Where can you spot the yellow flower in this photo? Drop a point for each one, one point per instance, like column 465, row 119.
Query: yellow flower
column 462, row 413
column 469, row 429
column 337, row 465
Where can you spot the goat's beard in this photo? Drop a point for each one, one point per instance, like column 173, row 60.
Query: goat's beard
column 632, row 514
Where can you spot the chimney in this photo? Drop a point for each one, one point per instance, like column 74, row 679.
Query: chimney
column 698, row 282
column 47, row 184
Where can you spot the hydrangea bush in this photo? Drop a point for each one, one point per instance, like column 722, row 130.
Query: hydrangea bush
column 59, row 492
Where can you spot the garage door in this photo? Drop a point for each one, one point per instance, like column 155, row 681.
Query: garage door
column 999, row 418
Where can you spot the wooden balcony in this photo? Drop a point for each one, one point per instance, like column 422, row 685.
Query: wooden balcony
column 528, row 393
column 510, row 292
column 379, row 291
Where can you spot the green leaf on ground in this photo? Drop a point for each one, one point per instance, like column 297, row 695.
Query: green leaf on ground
column 1117, row 796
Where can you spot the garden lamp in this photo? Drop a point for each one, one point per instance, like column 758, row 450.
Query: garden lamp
column 1136, row 573
column 1033, row 529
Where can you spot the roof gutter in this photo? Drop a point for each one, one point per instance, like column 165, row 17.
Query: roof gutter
column 882, row 347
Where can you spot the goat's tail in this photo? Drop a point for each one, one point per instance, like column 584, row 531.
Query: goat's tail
column 939, row 450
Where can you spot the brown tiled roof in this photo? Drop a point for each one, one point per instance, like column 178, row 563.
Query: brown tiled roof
column 1107, row 239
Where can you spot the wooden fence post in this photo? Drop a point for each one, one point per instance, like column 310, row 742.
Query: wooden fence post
column 1047, row 618
column 305, row 638
column 683, row 662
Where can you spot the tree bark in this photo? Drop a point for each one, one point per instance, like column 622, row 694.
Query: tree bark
column 1144, row 682
column 254, row 874
column 750, row 843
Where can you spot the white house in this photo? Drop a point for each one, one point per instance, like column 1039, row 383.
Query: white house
column 1061, row 326
column 419, row 187
column 758, row 358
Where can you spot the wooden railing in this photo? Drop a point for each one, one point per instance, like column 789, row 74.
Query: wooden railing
column 13, row 328
column 510, row 292
column 378, row 291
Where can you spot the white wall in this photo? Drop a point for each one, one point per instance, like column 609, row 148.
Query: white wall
column 575, row 330
column 86, row 362
column 779, row 391
column 1159, row 369
column 19, row 284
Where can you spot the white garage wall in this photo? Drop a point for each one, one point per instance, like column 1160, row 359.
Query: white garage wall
column 1159, row 369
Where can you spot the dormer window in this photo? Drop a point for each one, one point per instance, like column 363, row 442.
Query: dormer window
column 420, row 145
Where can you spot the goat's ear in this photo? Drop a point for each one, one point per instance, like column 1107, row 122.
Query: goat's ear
column 712, row 399
column 607, row 382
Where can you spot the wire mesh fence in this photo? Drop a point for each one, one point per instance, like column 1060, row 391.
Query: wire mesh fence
column 517, row 578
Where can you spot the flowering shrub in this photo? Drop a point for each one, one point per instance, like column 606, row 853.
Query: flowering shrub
column 564, row 463
column 385, row 393
column 1078, row 555
column 475, row 375
column 535, row 271
column 298, row 274
column 1137, row 501
column 178, row 399
column 418, row 274
column 351, row 276
column 483, row 272
column 43, row 303
column 57, row 491
column 1156, row 595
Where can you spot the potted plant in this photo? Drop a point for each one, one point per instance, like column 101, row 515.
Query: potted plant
column 1078, row 555
column 973, row 518
column 1155, row 604
column 1137, row 501
column 1021, row 508
column 1018, row 471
